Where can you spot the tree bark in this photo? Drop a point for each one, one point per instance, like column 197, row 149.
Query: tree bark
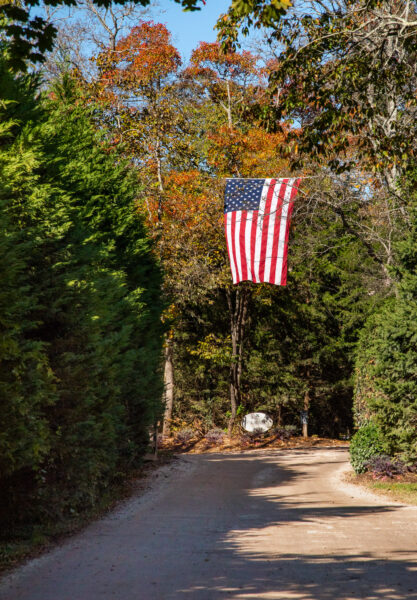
column 169, row 382
column 229, row 106
column 238, row 310
column 168, row 386
column 279, row 416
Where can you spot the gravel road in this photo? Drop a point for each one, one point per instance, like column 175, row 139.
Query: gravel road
column 267, row 524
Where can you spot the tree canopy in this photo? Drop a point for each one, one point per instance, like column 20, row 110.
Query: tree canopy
column 31, row 37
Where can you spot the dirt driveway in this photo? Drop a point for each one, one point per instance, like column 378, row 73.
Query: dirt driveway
column 265, row 524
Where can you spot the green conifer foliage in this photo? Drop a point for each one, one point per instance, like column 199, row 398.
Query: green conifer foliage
column 386, row 380
column 79, row 312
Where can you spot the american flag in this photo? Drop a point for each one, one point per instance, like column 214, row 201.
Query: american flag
column 257, row 216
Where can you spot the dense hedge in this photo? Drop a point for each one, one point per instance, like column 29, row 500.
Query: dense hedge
column 386, row 380
column 80, row 308
column 387, row 369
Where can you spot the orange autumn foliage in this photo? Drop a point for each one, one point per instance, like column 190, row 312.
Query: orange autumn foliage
column 209, row 59
column 255, row 153
column 187, row 197
column 142, row 58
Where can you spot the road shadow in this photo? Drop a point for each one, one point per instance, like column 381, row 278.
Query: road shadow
column 305, row 575
column 313, row 577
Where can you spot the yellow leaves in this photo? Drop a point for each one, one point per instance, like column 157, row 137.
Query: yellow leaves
column 256, row 153
column 169, row 315
column 214, row 349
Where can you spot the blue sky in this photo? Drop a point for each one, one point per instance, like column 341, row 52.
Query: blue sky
column 190, row 28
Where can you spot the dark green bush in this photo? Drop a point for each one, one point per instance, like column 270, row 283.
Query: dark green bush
column 365, row 444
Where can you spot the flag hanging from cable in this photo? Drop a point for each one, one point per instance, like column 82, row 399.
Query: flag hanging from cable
column 257, row 215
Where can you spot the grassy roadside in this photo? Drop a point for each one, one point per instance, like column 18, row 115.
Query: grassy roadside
column 398, row 490
column 30, row 541
column 402, row 488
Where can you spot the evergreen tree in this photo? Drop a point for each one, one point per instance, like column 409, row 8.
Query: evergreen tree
column 386, row 388
column 80, row 311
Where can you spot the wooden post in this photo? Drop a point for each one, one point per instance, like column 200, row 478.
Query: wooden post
column 305, row 414
column 305, row 428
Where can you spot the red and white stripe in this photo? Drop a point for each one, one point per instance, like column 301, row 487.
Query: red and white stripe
column 257, row 240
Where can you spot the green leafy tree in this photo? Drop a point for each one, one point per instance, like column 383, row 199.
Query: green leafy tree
column 243, row 15
column 345, row 71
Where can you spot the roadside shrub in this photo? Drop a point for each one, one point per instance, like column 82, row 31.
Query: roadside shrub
column 291, row 429
column 386, row 366
column 384, row 466
column 183, row 436
column 215, row 437
column 366, row 444
column 245, row 439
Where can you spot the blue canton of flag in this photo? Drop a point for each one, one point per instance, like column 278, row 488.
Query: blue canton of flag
column 243, row 194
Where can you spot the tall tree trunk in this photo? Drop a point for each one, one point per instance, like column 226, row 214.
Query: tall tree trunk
column 168, row 386
column 238, row 309
column 279, row 417
column 169, row 382
column 229, row 106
